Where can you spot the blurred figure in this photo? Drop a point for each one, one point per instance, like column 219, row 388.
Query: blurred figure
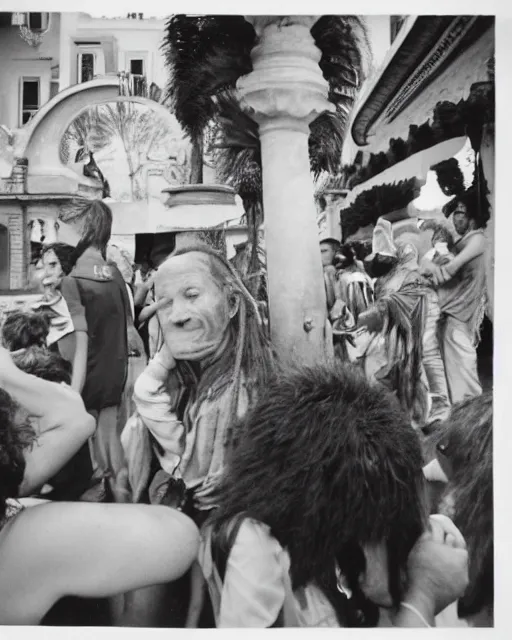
column 391, row 331
column 137, row 361
column 464, row 452
column 66, row 314
column 29, row 333
column 87, row 225
column 163, row 245
column 55, row 550
column 461, row 283
column 328, row 249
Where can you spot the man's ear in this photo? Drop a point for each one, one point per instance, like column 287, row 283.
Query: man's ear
column 234, row 303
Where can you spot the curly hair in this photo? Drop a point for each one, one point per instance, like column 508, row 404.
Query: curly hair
column 23, row 329
column 45, row 364
column 14, row 439
column 330, row 463
column 466, row 443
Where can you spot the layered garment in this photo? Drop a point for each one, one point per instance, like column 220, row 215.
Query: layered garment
column 394, row 352
column 185, row 428
column 356, row 290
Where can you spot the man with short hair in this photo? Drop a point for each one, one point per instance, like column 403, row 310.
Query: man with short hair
column 462, row 298
column 328, row 248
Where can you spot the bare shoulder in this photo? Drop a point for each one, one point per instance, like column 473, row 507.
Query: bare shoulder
column 56, row 549
column 38, row 533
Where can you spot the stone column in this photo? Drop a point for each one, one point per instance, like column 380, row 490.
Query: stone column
column 284, row 93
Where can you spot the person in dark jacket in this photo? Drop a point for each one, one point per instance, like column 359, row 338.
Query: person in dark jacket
column 88, row 226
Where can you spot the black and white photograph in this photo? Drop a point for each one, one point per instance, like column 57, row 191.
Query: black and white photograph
column 247, row 296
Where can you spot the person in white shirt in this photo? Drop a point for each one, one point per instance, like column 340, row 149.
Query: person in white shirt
column 321, row 519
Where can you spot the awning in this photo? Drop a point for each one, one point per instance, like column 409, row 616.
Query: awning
column 416, row 166
column 154, row 217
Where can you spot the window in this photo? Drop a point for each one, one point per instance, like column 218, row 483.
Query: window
column 137, row 67
column 38, row 22
column 30, row 99
column 86, row 67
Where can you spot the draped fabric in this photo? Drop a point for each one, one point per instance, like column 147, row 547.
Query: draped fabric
column 405, row 316
column 394, row 354
column 356, row 290
column 184, row 430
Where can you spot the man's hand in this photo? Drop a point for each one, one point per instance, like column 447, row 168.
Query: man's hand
column 433, row 272
column 166, row 358
column 437, row 568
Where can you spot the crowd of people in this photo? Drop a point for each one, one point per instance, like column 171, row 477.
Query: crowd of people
column 412, row 317
column 156, row 457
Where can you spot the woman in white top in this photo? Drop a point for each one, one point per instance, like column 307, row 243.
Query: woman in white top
column 55, row 550
column 321, row 519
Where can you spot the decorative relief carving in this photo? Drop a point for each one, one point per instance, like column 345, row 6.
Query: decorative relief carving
column 444, row 47
column 286, row 81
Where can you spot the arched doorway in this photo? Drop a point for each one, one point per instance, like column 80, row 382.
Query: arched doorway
column 40, row 142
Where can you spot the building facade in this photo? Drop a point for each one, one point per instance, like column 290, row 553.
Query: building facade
column 44, row 53
column 53, row 66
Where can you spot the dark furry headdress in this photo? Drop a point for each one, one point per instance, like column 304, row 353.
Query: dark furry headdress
column 330, row 463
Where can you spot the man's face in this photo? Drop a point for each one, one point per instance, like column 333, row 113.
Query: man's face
column 327, row 252
column 36, row 275
column 195, row 311
column 461, row 220
column 53, row 273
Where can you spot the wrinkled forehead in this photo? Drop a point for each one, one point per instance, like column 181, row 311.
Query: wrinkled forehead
column 193, row 266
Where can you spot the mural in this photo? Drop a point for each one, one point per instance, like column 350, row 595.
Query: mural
column 133, row 149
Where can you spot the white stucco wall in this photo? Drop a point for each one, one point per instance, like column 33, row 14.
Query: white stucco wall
column 18, row 60
column 131, row 39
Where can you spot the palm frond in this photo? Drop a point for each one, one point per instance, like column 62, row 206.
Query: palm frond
column 204, row 56
column 346, row 53
column 326, row 142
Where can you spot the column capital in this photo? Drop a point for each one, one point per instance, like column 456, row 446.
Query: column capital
column 286, row 83
column 260, row 23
